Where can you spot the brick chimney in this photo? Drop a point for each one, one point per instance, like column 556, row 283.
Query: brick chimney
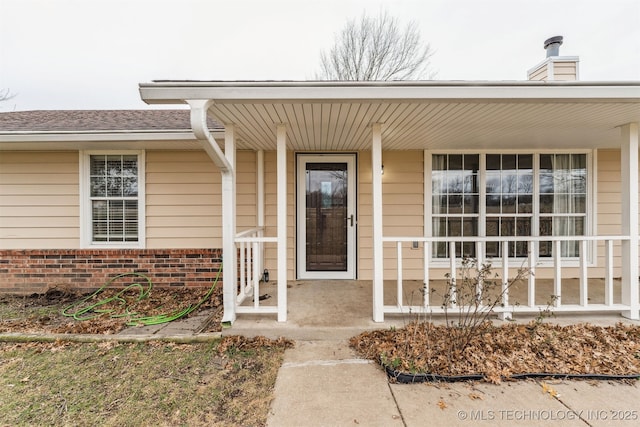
column 555, row 67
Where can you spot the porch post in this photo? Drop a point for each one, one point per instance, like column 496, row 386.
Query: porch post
column 226, row 164
column 629, row 189
column 229, row 252
column 378, row 268
column 281, row 136
column 260, row 189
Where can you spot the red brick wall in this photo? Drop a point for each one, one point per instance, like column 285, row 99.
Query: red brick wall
column 29, row 271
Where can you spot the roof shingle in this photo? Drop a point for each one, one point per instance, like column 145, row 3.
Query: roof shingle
column 98, row 120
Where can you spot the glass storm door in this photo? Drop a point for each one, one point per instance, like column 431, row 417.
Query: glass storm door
column 326, row 216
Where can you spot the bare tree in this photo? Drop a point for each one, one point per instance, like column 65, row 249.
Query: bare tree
column 377, row 49
column 5, row 95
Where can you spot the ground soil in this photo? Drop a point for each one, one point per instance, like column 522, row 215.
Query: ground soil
column 43, row 312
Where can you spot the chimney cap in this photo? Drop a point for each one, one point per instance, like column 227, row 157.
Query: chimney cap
column 553, row 40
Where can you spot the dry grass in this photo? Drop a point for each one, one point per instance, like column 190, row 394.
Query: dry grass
column 226, row 383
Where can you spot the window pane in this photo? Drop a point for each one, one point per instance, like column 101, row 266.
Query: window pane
column 508, row 203
column 579, row 203
column 546, row 162
column 493, row 226
column 546, row 204
column 471, row 162
column 114, row 177
column 508, row 162
column 455, row 204
column 546, row 183
column 439, row 162
column 507, row 226
column 525, row 182
column 493, row 204
column 470, row 204
column 525, row 204
column 454, row 227
column 455, row 161
column 454, row 181
column 525, row 161
column 439, row 204
column 437, row 183
column 493, row 182
column 493, row 162
column 509, row 182
column 98, row 186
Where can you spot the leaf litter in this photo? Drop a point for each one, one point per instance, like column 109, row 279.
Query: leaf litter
column 42, row 312
column 500, row 352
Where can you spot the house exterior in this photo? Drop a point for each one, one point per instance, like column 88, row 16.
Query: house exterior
column 378, row 181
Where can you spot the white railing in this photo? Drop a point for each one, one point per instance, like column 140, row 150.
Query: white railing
column 250, row 244
column 532, row 263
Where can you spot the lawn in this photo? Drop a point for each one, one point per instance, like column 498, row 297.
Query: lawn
column 228, row 382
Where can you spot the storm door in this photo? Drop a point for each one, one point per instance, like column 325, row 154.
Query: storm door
column 326, row 216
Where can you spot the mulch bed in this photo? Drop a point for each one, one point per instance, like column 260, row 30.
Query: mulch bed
column 503, row 352
column 42, row 312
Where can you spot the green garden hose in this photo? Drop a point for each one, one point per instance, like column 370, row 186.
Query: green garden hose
column 85, row 309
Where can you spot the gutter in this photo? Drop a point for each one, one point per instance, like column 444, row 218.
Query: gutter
column 199, row 110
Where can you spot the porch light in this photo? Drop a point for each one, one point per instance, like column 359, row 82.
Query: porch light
column 382, row 170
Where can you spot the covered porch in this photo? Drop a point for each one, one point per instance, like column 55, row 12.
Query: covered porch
column 286, row 118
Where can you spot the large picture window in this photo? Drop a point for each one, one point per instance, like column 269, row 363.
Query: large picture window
column 112, row 197
column 509, row 195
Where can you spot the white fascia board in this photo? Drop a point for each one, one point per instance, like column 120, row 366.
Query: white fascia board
column 70, row 136
column 166, row 92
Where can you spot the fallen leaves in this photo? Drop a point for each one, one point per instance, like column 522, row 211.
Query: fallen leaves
column 506, row 350
column 41, row 312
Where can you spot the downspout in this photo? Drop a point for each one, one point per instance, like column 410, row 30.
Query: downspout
column 226, row 165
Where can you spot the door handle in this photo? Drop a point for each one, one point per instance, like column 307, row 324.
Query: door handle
column 350, row 219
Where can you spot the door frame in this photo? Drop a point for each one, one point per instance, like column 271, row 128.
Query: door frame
column 301, row 160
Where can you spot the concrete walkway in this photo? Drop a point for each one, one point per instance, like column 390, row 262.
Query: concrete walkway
column 323, row 383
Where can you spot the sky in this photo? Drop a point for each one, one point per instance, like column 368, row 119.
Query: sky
column 92, row 54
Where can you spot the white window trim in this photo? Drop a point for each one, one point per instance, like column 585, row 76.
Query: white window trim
column 591, row 203
column 86, row 241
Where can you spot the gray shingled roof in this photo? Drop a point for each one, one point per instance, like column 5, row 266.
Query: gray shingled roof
column 97, row 120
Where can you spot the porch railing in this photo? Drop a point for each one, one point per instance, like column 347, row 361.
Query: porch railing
column 532, row 263
column 250, row 244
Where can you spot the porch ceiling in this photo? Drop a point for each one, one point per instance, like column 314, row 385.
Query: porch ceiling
column 329, row 116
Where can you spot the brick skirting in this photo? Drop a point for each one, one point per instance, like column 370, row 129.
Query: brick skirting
column 29, row 271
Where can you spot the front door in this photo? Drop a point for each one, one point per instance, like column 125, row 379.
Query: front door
column 326, row 216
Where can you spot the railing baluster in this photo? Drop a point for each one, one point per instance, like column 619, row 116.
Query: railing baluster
column 505, row 272
column 452, row 272
column 557, row 272
column 584, row 285
column 399, row 275
column 533, row 254
column 608, row 272
column 243, row 266
column 426, row 286
column 256, row 274
column 479, row 261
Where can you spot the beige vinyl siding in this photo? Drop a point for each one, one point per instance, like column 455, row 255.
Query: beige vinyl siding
column 609, row 202
column 565, row 71
column 271, row 213
column 39, row 200
column 402, row 211
column 540, row 73
column 184, row 203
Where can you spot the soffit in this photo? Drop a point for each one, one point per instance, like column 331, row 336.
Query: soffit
column 431, row 124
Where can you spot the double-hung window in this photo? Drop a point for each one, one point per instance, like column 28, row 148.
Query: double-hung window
column 496, row 195
column 112, row 199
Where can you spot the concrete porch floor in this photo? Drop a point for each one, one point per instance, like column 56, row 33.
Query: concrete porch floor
column 339, row 309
